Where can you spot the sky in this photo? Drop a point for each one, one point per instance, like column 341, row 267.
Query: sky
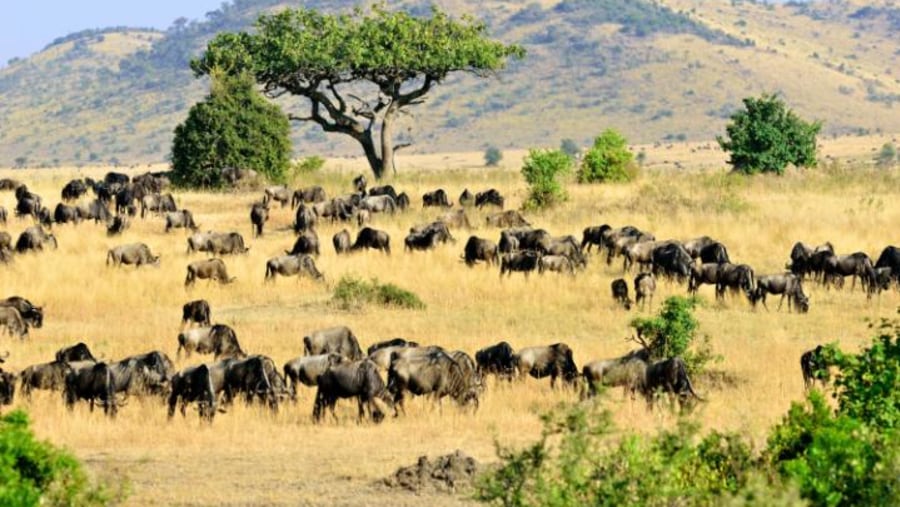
column 26, row 26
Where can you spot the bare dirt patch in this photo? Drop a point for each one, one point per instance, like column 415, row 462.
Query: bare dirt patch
column 450, row 473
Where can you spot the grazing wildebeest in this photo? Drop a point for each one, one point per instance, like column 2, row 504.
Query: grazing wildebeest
column 180, row 219
column 50, row 376
column 359, row 184
column 197, row 242
column 337, row 340
column 548, row 360
column 125, row 197
column 593, row 235
column 456, row 219
column 498, row 359
column 289, row 265
column 802, row 261
column 64, row 214
column 196, row 311
column 32, row 314
column 34, row 238
column 7, row 387
column 278, row 193
column 7, row 184
column 393, row 342
column 378, row 204
column 524, row 262
column 307, row 243
column 890, row 258
column 382, row 356
column 479, row 249
column 436, row 198
column 113, row 178
column 73, row 190
column 357, row 379
column 787, row 285
column 565, row 246
column 200, row 384
column 628, row 371
column 306, row 370
column 615, row 240
column 490, row 196
column 93, row 383
column 77, row 352
column 736, row 277
column 13, row 321
column 427, row 237
column 117, row 225
column 233, row 175
column 304, row 218
column 437, row 374
column 620, row 292
column 707, row 273
column 342, row 242
column 137, row 254
column 210, row 269
column 813, row 367
column 466, row 198
column 556, row 263
column 857, row 264
column 95, row 210
column 714, row 252
column 219, row 340
column 259, row 214
column 225, row 243
column 508, row 218
column 402, row 201
column 254, row 376
column 530, row 239
column 696, row 245
column 383, row 190
column 309, row 194
column 644, row 288
column 672, row 260
column 669, row 376
column 142, row 374
column 158, row 204
column 372, row 238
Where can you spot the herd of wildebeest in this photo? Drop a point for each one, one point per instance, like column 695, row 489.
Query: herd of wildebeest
column 333, row 362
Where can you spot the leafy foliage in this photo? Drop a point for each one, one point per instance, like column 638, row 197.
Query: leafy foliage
column 36, row 473
column 608, row 160
column 673, row 333
column 352, row 292
column 887, row 157
column 766, row 136
column 492, row 156
column 234, row 127
column 541, row 170
column 570, row 147
column 307, row 165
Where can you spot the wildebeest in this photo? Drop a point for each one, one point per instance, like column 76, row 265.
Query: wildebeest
column 378, row 204
column 669, row 376
column 254, row 377
column 393, row 342
column 337, row 340
column 480, row 249
column 304, row 219
column 7, row 184
column 813, row 367
column 456, row 219
column 220, row 340
column 620, row 292
column 113, row 178
column 489, row 197
column 117, row 225
column 306, row 370
column 628, row 371
column 384, row 190
column 234, row 175
column 644, row 288
column 180, row 219
column 382, row 356
column 95, row 210
column 556, row 263
column 714, row 252
column 696, row 245
column 309, row 194
column 342, row 242
column 225, row 243
column 402, row 201
column 142, row 374
column 787, row 285
column 427, row 237
column 372, row 238
column 77, row 352
column 615, row 240
column 289, row 265
column 359, row 183
column 7, row 387
column 436, row 198
column 498, row 359
column 549, row 360
column 210, row 269
column 137, row 254
column 508, row 218
column 73, row 190
column 196, row 311
column 524, row 262
column 357, row 379
column 259, row 214
column 158, row 204
column 736, row 277
column 31, row 313
column 197, row 242
column 436, row 374
column 808, row 260
column 50, row 375
column 13, row 321
column 466, row 198
column 704, row 274
column 857, row 264
column 4, row 215
column 200, row 384
column 92, row 383
column 278, row 193
column 890, row 258
column 307, row 243
column 672, row 260
column 64, row 214
column 34, row 238
column 528, row 239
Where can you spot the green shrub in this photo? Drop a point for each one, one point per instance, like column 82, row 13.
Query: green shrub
column 674, row 333
column 570, row 148
column 492, row 156
column 36, row 473
column 541, row 170
column 887, row 157
column 608, row 160
column 352, row 292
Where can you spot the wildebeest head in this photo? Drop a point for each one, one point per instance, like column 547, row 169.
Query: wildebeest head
column 7, row 387
column 569, row 369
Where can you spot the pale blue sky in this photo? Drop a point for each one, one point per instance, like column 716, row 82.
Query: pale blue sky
column 26, row 26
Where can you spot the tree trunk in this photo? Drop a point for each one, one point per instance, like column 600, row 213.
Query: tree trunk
column 376, row 163
column 387, row 139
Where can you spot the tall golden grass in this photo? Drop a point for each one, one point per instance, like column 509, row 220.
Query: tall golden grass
column 248, row 456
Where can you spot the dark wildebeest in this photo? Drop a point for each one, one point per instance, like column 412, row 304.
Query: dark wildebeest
column 704, row 274
column 466, row 198
column 142, row 374
column 198, row 241
column 669, row 376
column 548, row 360
column 306, row 370
column 4, row 215
column 309, row 194
column 64, row 214
column 95, row 210
column 556, row 263
column 736, row 277
column 200, row 384
column 393, row 342
column 359, row 184
column 620, row 292
column 116, row 179
column 137, row 254
column 180, row 219
column 787, row 285
column 372, row 238
column 77, row 352
column 438, row 228
column 304, row 219
column 289, row 265
column 402, row 201
column 33, row 315
column 357, row 379
column 210, row 269
column 259, row 214
column 13, row 321
column 436, row 198
column 644, row 288
column 307, row 243
column 497, row 359
column 337, row 340
column 196, row 311
column 7, row 184
column 117, row 225
column 7, row 387
column 615, row 240
column 93, row 383
column 530, row 239
column 225, row 243
column 628, row 371
column 73, row 190
column 814, row 367
column 437, row 374
column 508, row 218
column 593, row 235
column 890, row 258
column 254, row 376
column 672, row 260
column 524, row 262
column 158, row 204
column 34, row 238
column 714, row 252
column 489, row 197
column 857, row 264
column 125, row 197
column 195, row 339
column 50, row 376
column 219, row 340
column 479, row 249
column 696, row 245
column 428, row 237
column 457, row 219
column 802, row 262
column 342, row 242
column 382, row 356
column 383, row 190
column 378, row 204
column 278, row 193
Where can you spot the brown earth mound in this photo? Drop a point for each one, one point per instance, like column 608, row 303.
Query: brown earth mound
column 446, row 474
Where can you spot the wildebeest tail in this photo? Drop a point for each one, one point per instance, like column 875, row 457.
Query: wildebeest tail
column 683, row 378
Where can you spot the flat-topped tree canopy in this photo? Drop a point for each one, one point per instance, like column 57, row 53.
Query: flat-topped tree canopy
column 306, row 53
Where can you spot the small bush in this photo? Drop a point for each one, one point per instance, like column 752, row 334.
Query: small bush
column 673, row 333
column 608, row 160
column 541, row 169
column 307, row 165
column 492, row 156
column 570, row 148
column 352, row 292
column 887, row 157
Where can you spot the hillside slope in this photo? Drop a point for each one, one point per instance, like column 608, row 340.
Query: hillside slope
column 658, row 71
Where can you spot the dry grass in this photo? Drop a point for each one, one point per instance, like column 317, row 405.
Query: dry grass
column 249, row 457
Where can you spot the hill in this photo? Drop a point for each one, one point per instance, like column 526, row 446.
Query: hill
column 657, row 70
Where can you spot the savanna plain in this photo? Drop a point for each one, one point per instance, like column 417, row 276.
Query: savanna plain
column 250, row 456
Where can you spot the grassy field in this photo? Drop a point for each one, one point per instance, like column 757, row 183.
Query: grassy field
column 250, row 457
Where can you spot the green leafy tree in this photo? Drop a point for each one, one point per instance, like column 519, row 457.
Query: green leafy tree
column 608, row 160
column 492, row 156
column 541, row 171
column 674, row 333
column 570, row 147
column 335, row 60
column 766, row 136
column 887, row 157
column 233, row 127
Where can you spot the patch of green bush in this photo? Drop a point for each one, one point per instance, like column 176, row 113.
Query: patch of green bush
column 608, row 160
column 492, row 156
column 541, row 170
column 352, row 292
column 673, row 333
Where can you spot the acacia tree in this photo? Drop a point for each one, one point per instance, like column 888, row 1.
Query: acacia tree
column 392, row 58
